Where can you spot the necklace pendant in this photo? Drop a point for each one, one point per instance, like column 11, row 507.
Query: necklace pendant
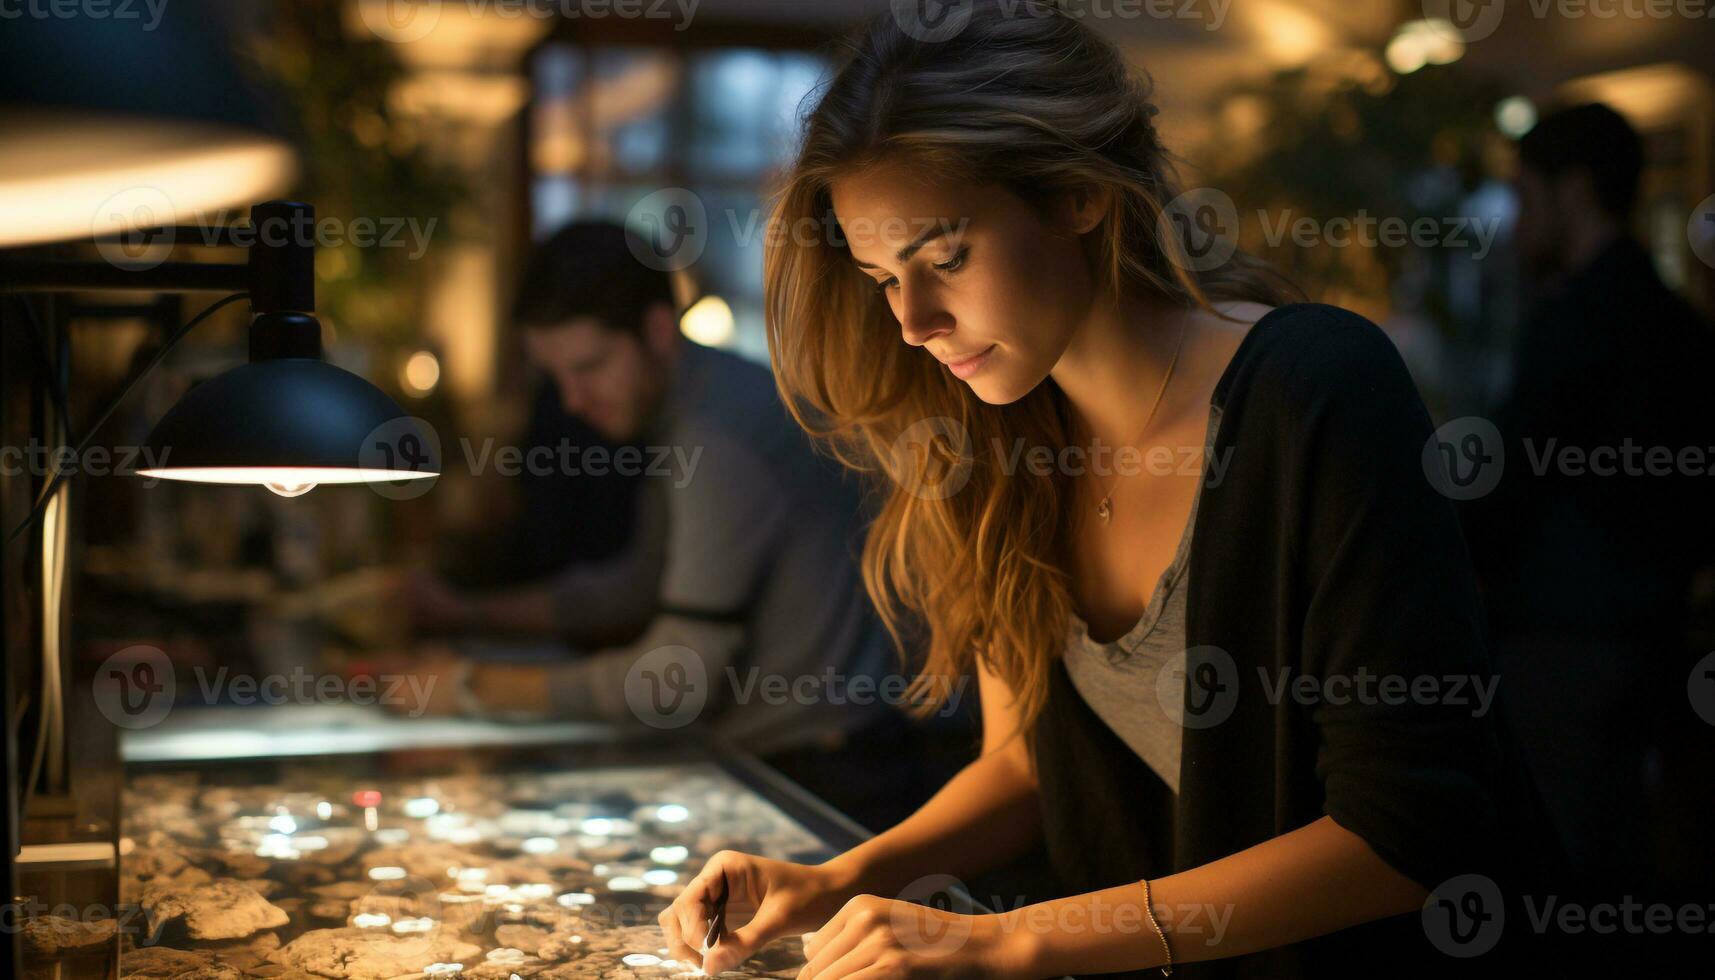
column 1106, row 510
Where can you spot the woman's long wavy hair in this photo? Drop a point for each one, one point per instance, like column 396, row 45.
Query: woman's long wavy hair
column 963, row 557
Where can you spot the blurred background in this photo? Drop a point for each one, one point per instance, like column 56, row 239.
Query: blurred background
column 474, row 129
column 489, row 126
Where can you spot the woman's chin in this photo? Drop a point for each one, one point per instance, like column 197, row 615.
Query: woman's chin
column 998, row 391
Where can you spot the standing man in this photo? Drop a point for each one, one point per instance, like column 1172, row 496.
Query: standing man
column 1591, row 541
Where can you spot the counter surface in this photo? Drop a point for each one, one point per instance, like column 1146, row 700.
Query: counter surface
column 534, row 861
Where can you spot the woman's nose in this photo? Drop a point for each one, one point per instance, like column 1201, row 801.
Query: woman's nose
column 922, row 317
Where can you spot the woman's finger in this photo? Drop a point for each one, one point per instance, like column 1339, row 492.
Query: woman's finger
column 677, row 947
column 875, row 971
column 693, row 905
column 740, row 944
column 859, row 957
column 829, row 943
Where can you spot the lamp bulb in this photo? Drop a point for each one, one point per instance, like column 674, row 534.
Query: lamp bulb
column 291, row 489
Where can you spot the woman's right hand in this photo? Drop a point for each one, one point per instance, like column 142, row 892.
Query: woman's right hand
column 766, row 899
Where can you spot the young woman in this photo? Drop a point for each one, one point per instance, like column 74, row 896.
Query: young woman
column 1191, row 667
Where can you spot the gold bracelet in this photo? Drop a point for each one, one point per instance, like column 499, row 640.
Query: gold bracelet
column 1167, row 970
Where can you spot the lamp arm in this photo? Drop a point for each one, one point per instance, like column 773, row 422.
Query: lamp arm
column 172, row 341
column 49, row 276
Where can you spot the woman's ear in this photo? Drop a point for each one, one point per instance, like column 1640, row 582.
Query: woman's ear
column 1083, row 208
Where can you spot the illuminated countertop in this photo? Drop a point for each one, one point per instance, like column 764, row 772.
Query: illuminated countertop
column 534, row 860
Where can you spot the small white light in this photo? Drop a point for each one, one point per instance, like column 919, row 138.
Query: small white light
column 641, row 959
column 660, row 876
column 422, row 807
column 413, row 926
column 598, row 826
column 386, row 874
column 540, row 845
column 672, row 813
column 1515, row 115
column 371, row 920
column 574, row 899
column 670, row 855
column 625, row 883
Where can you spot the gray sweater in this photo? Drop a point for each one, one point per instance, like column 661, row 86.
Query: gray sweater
column 749, row 550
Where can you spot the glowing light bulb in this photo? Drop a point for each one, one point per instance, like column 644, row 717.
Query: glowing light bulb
column 291, row 489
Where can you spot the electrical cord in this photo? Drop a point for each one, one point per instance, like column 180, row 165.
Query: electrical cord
column 100, row 420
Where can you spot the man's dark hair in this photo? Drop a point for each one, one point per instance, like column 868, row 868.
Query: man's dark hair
column 1591, row 137
column 589, row 269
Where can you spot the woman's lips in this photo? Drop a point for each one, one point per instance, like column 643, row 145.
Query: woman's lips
column 966, row 369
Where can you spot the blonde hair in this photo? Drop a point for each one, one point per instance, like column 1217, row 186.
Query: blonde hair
column 1036, row 103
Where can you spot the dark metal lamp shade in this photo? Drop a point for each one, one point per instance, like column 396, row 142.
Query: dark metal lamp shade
column 289, row 424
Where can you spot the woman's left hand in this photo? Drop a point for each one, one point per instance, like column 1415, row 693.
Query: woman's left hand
column 875, row 938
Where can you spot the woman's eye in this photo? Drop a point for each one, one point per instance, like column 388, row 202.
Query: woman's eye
column 955, row 263
column 886, row 284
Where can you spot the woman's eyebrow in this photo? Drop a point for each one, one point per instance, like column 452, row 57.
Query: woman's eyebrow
column 940, row 230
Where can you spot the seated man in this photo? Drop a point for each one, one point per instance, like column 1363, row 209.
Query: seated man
column 740, row 589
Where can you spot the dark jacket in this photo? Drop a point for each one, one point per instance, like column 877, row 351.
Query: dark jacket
column 1324, row 551
column 1613, row 360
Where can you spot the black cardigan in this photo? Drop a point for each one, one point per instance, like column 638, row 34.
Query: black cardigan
column 1323, row 550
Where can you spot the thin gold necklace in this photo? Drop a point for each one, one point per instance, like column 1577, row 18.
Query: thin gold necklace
column 1105, row 510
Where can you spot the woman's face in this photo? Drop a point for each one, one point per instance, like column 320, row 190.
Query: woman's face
column 975, row 276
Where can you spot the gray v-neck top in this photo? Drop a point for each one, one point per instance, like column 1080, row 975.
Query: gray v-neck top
column 1136, row 684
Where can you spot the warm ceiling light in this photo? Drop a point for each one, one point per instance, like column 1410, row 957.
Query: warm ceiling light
column 709, row 321
column 421, row 373
column 1424, row 42
column 70, row 175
